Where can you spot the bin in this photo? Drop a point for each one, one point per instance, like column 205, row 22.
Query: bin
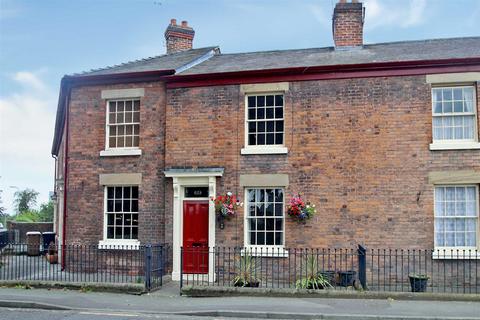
column 33, row 243
column 48, row 237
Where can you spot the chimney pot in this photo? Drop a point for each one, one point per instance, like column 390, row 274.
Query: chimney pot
column 184, row 23
column 173, row 22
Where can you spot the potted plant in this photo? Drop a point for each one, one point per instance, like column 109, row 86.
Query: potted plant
column 226, row 206
column 299, row 209
column 52, row 255
column 346, row 278
column 247, row 272
column 418, row 282
column 312, row 279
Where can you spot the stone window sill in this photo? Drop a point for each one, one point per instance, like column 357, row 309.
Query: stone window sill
column 120, row 152
column 456, row 254
column 119, row 244
column 266, row 251
column 264, row 150
column 460, row 145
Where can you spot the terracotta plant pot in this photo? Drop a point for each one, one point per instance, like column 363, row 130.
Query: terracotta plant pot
column 52, row 258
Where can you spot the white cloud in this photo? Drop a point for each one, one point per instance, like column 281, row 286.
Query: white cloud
column 403, row 14
column 26, row 130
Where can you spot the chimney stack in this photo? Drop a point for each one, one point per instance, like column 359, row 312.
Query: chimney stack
column 179, row 37
column 348, row 18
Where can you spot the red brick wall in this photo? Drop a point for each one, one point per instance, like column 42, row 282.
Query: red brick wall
column 87, row 139
column 358, row 149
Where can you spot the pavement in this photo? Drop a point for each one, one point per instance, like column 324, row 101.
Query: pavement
column 167, row 304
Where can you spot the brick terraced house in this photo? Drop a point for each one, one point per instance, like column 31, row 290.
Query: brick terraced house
column 383, row 138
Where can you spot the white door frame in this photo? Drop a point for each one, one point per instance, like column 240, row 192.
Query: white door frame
column 180, row 181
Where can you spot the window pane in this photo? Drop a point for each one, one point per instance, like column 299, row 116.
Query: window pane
column 135, row 192
column 269, row 239
column 251, row 114
column 109, row 205
column 251, row 195
column 269, row 101
column 460, row 225
column 270, row 139
column 270, row 113
column 112, row 106
column 269, row 209
column 252, row 224
column 260, row 139
column 447, row 94
column 134, row 206
column 260, row 101
column 260, row 238
column 458, row 106
column 260, row 195
column 460, row 209
column 136, row 105
column 278, row 238
column 270, row 224
column 136, row 116
column 252, row 127
column 457, row 94
column 134, row 233
column 260, row 210
column 110, row 233
column 261, row 113
column 450, row 239
column 278, row 113
column 253, row 238
column 260, row 224
column 252, row 139
column 261, row 126
column 128, row 105
column 269, row 195
column 279, row 100
column 251, row 102
column 278, row 224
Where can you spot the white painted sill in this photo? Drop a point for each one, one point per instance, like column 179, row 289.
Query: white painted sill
column 264, row 150
column 119, row 244
column 455, row 145
column 272, row 252
column 456, row 254
column 120, row 152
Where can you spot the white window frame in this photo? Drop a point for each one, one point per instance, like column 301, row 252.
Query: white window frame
column 120, row 151
column 456, row 144
column 117, row 244
column 465, row 252
column 263, row 250
column 263, row 149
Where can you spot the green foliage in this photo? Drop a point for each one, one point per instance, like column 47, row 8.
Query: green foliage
column 246, row 271
column 25, row 200
column 312, row 279
column 44, row 214
column 27, row 216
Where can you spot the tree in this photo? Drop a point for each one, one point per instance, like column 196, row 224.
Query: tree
column 25, row 200
column 46, row 212
column 2, row 209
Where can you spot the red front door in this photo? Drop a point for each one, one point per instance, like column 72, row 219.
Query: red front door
column 195, row 237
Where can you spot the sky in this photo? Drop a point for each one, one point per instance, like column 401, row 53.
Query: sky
column 40, row 41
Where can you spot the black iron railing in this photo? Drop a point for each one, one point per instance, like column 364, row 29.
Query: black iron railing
column 456, row 271
column 143, row 265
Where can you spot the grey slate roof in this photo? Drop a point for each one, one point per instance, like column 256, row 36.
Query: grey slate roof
column 163, row 62
column 328, row 56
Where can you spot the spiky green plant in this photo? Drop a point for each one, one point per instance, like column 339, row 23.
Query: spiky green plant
column 312, row 278
column 246, row 268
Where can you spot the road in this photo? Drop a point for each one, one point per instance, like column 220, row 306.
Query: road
column 34, row 314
